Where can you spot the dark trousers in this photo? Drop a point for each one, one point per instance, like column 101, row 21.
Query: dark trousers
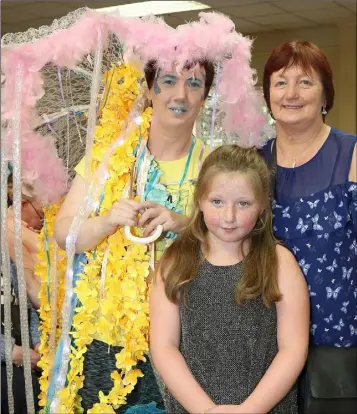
column 18, row 389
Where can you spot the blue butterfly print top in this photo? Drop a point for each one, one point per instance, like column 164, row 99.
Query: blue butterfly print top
column 315, row 216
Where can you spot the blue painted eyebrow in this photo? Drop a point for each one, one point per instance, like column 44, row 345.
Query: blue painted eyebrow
column 168, row 77
column 193, row 79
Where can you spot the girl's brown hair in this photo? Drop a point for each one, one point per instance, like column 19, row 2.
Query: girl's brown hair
column 180, row 262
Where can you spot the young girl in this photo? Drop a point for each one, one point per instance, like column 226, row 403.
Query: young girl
column 229, row 306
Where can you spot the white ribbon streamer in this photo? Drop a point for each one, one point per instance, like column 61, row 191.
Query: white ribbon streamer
column 17, row 199
column 53, row 308
column 5, row 269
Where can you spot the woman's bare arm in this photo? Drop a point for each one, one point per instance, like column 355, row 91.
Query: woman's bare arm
column 95, row 229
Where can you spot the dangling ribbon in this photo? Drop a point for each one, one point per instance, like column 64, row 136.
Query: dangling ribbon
column 5, row 269
column 214, row 106
column 17, row 202
column 48, row 260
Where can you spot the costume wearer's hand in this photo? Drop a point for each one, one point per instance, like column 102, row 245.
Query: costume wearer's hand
column 122, row 213
column 155, row 214
column 18, row 358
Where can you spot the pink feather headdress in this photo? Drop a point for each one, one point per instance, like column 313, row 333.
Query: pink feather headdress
column 212, row 38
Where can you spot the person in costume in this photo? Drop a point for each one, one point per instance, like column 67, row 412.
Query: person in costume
column 176, row 99
column 229, row 308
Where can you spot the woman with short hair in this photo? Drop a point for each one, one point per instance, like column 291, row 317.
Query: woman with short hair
column 315, row 201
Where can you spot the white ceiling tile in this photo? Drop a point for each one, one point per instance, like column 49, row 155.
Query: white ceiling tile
column 23, row 25
column 6, row 6
column 252, row 29
column 250, row 15
column 59, row 8
column 350, row 5
column 272, row 19
column 37, row 8
column 11, row 4
column 11, row 16
column 293, row 25
column 244, row 26
column 294, row 5
column 257, row 9
column 217, row 4
column 188, row 15
column 95, row 4
column 331, row 14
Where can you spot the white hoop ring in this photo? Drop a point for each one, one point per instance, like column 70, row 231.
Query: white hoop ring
column 143, row 240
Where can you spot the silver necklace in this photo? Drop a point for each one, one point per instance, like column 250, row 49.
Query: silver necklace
column 296, row 159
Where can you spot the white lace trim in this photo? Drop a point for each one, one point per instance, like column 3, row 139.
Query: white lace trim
column 32, row 35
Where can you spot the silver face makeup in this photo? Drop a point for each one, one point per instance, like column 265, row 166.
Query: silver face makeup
column 178, row 109
column 178, row 93
column 157, row 89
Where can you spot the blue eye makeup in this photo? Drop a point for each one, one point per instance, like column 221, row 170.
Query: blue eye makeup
column 171, row 80
column 168, row 80
column 157, row 89
column 194, row 83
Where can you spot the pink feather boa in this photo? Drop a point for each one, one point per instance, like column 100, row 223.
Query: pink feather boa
column 212, row 38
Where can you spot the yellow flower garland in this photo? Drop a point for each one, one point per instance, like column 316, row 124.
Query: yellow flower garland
column 123, row 309
column 41, row 269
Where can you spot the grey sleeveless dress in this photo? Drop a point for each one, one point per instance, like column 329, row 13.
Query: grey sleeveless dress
column 228, row 347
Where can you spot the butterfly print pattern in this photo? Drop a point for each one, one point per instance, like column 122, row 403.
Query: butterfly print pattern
column 321, row 232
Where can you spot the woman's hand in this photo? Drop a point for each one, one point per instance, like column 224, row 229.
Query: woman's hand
column 122, row 213
column 155, row 214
